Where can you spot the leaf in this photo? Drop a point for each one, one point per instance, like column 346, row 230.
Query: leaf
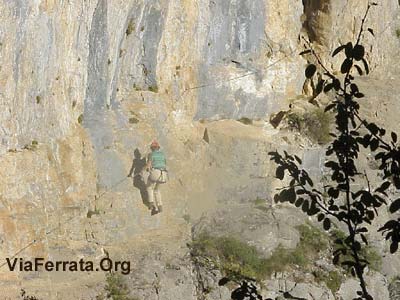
column 305, row 206
column 336, row 259
column 320, row 217
column 359, row 95
column 329, row 107
column 364, row 239
column 336, row 84
column 327, row 224
column 223, row 281
column 394, row 137
column 334, row 193
column 338, row 50
column 354, row 88
column 374, row 144
column 280, row 172
column 349, row 50
column 299, row 202
column 310, row 70
column 288, row 195
column 395, row 206
column 320, row 86
column 358, row 52
column 365, row 66
column 328, row 87
column 373, row 128
column 359, row 70
column 393, row 247
column 346, row 66
column 305, row 52
column 371, row 31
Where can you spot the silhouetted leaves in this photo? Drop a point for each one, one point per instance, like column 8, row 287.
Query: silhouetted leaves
column 349, row 50
column 246, row 291
column 310, row 71
column 371, row 31
column 328, row 87
column 320, row 87
column 338, row 50
column 305, row 52
column 346, row 66
column 365, row 66
column 223, row 281
column 359, row 70
column 280, row 172
column 395, row 206
column 340, row 201
column 327, row 224
column 358, row 52
column 394, row 137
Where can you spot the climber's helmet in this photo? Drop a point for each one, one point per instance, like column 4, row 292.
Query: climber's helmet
column 154, row 145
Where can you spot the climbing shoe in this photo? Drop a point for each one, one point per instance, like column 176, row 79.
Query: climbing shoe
column 154, row 211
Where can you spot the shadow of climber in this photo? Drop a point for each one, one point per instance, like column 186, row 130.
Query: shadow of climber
column 137, row 169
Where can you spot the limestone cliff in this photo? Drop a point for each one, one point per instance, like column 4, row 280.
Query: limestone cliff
column 85, row 83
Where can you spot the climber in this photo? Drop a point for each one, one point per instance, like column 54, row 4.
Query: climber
column 156, row 165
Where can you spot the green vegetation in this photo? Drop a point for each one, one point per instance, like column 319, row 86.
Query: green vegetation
column 32, row 146
column 259, row 201
column 315, row 124
column 133, row 120
column 261, row 204
column 116, row 288
column 398, row 33
column 235, row 258
column 80, row 119
column 38, row 99
column 94, row 212
column 136, row 87
column 130, row 28
column 153, row 88
column 240, row 260
column 332, row 279
column 246, row 121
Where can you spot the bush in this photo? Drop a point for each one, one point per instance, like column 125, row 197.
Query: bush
column 367, row 252
column 246, row 121
column 233, row 257
column 153, row 88
column 80, row 119
column 315, row 124
column 116, row 288
column 130, row 28
column 240, row 261
column 332, row 279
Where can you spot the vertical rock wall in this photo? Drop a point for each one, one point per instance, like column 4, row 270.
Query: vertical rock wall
column 85, row 83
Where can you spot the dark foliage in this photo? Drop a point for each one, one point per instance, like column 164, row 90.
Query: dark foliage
column 339, row 201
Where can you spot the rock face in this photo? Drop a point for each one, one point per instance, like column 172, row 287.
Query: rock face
column 85, row 83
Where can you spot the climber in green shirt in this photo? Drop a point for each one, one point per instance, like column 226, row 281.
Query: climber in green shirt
column 156, row 165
